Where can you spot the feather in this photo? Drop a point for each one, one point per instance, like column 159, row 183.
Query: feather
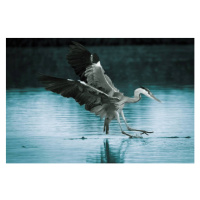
column 87, row 66
column 94, row 100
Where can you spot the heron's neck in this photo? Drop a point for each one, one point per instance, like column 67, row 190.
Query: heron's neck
column 136, row 97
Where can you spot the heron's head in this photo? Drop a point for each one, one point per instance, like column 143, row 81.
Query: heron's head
column 147, row 93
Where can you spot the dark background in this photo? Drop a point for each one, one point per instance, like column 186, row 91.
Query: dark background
column 143, row 61
column 48, row 42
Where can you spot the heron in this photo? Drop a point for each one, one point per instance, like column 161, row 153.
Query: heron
column 95, row 89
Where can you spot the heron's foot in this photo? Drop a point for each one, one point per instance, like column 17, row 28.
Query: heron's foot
column 127, row 134
column 131, row 129
column 142, row 131
column 132, row 136
column 145, row 132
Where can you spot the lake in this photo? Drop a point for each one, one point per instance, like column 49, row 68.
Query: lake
column 43, row 127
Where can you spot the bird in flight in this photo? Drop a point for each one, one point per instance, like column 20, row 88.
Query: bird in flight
column 95, row 89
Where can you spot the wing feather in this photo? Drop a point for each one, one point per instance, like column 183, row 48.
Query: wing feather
column 87, row 66
column 83, row 93
column 97, row 78
column 79, row 58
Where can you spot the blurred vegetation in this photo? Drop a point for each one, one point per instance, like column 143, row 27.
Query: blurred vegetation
column 135, row 64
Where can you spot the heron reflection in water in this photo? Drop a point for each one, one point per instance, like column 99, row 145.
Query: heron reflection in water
column 95, row 89
column 109, row 155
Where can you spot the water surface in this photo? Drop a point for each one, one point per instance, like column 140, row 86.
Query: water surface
column 43, row 127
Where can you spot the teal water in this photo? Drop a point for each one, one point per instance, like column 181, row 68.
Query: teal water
column 43, row 127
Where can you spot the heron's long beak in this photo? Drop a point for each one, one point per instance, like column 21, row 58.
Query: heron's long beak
column 153, row 97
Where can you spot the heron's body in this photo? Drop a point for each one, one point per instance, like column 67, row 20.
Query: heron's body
column 95, row 89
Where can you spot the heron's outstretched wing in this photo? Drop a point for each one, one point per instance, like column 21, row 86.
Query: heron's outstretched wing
column 95, row 100
column 87, row 66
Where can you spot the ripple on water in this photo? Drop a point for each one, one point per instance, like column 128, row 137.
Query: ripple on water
column 44, row 128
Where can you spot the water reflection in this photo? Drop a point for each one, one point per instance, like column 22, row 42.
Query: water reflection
column 111, row 155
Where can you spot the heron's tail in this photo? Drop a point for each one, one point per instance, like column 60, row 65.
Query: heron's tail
column 106, row 125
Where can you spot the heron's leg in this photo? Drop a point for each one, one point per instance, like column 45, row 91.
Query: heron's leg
column 122, row 114
column 118, row 119
column 131, row 129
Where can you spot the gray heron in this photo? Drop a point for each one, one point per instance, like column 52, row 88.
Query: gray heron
column 95, row 89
